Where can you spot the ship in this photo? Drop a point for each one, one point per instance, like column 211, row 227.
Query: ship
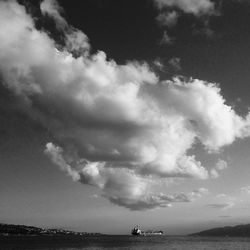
column 138, row 232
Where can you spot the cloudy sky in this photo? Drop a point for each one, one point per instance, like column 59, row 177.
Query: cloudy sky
column 125, row 109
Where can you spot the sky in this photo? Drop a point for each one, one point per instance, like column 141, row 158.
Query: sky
column 122, row 113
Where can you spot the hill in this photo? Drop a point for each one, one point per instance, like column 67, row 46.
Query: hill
column 231, row 231
column 9, row 229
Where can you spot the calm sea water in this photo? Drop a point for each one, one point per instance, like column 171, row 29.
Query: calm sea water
column 123, row 243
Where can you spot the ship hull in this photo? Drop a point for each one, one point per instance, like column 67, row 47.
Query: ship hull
column 151, row 234
column 137, row 232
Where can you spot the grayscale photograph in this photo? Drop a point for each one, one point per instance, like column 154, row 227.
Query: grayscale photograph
column 125, row 124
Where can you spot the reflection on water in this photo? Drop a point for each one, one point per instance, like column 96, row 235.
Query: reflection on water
column 122, row 243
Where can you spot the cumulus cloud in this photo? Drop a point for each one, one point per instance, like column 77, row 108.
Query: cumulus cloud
column 216, row 124
column 121, row 186
column 117, row 127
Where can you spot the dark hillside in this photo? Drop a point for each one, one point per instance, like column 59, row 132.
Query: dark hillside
column 230, row 231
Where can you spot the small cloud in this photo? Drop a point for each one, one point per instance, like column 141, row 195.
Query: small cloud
column 175, row 63
column 158, row 64
column 197, row 193
column 194, row 7
column 168, row 19
column 52, row 9
column 245, row 189
column 222, row 206
column 166, row 39
column 225, row 216
column 238, row 100
column 221, row 196
column 171, row 10
column 221, row 165
column 203, row 28
column 171, row 66
column 214, row 174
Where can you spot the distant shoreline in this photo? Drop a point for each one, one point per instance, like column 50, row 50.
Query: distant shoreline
column 7, row 230
column 23, row 230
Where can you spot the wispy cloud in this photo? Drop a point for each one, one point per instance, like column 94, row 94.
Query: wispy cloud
column 175, row 63
column 76, row 41
column 171, row 67
column 245, row 189
column 197, row 8
column 222, row 206
column 172, row 10
column 168, row 19
column 220, row 166
column 54, row 10
column 225, row 216
column 221, row 196
column 166, row 39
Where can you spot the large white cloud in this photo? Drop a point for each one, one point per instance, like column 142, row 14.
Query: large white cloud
column 118, row 126
column 216, row 124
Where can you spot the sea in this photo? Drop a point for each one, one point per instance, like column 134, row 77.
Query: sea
column 123, row 243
